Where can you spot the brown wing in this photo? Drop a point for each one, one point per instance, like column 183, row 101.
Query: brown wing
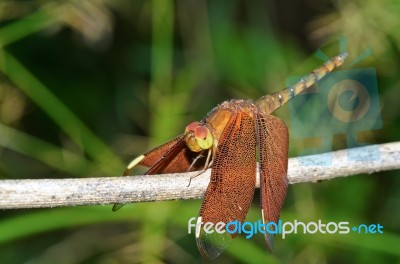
column 231, row 188
column 154, row 155
column 273, row 141
column 171, row 157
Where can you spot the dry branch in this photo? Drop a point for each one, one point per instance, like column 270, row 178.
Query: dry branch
column 90, row 191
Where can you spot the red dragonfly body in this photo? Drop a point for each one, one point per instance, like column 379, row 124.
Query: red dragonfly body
column 228, row 140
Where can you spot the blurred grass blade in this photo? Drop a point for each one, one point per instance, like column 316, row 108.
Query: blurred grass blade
column 160, row 94
column 61, row 115
column 153, row 233
column 51, row 155
column 53, row 219
column 386, row 243
column 27, row 25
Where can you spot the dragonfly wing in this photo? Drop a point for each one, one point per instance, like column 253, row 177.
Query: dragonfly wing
column 231, row 188
column 154, row 155
column 170, row 157
column 273, row 142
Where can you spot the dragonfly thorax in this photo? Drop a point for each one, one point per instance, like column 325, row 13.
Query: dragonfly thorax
column 198, row 137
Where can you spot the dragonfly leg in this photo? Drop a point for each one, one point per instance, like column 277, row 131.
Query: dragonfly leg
column 195, row 160
column 206, row 166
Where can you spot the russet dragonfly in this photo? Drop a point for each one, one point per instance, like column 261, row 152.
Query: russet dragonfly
column 227, row 140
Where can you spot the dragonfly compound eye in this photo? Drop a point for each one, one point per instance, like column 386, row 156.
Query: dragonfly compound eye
column 198, row 137
column 191, row 127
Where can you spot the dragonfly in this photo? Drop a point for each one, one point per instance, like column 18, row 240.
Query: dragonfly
column 230, row 140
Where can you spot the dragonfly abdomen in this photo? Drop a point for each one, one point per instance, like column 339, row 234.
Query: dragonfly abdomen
column 269, row 103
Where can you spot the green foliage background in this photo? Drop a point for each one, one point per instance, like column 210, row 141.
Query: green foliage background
column 87, row 85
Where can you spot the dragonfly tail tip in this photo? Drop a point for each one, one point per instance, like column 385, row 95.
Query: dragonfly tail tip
column 343, row 55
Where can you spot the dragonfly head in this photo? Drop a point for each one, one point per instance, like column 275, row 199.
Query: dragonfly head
column 198, row 137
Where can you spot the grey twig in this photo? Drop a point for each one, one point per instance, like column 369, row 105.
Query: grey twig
column 108, row 190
